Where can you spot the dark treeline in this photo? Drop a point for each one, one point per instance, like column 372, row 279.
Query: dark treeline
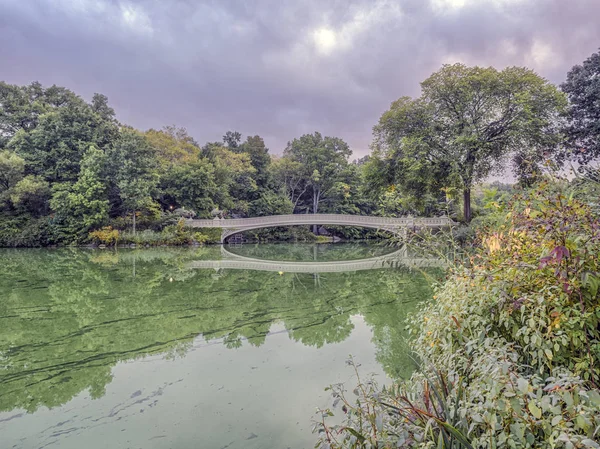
column 68, row 168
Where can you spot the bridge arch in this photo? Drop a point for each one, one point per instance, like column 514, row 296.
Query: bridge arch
column 231, row 226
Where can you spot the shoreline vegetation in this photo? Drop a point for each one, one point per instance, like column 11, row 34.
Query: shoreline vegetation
column 509, row 344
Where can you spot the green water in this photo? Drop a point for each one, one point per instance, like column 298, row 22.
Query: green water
column 137, row 349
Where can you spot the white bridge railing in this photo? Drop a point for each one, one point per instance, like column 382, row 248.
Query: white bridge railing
column 309, row 219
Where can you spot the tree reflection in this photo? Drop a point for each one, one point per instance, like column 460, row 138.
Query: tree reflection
column 68, row 316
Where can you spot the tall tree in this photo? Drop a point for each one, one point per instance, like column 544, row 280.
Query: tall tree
column 255, row 147
column 232, row 139
column 583, row 90
column 133, row 168
column 467, row 122
column 84, row 205
column 22, row 106
column 234, row 176
column 288, row 176
column 12, row 168
column 190, row 186
column 323, row 161
column 173, row 145
column 52, row 128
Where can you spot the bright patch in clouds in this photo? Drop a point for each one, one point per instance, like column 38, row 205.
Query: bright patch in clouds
column 325, row 40
column 135, row 18
column 542, row 56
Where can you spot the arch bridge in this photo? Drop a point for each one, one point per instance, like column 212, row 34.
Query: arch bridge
column 231, row 226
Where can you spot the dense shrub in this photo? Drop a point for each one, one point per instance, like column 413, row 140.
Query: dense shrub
column 177, row 234
column 510, row 344
column 106, row 236
column 26, row 231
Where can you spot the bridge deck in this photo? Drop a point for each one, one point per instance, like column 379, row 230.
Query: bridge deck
column 232, row 226
column 309, row 219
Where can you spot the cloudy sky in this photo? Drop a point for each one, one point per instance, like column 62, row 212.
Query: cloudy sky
column 279, row 68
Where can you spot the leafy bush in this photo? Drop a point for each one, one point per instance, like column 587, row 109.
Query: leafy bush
column 510, row 344
column 26, row 231
column 177, row 234
column 106, row 236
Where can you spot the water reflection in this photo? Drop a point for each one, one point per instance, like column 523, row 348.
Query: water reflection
column 70, row 316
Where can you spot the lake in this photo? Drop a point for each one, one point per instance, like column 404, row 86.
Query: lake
column 146, row 349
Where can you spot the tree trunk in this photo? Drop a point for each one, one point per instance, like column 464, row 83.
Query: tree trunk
column 467, row 204
column 133, row 222
column 315, row 209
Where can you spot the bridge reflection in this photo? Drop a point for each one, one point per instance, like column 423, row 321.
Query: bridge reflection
column 396, row 259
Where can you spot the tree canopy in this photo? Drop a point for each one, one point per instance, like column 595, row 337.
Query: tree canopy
column 465, row 125
column 583, row 90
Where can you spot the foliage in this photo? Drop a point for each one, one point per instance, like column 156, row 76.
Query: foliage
column 234, row 174
column 189, row 185
column 26, row 231
column 173, row 145
column 514, row 336
column 271, row 203
column 586, row 187
column 323, row 161
column 464, row 125
column 12, row 168
column 56, row 129
column 132, row 168
column 583, row 128
column 31, row 194
column 83, row 205
column 172, row 235
column 106, row 236
column 281, row 234
column 424, row 153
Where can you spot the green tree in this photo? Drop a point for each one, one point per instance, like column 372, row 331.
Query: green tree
column 255, row 148
column 83, row 205
column 271, row 203
column 323, row 161
column 287, row 175
column 52, row 129
column 173, row 145
column 583, row 90
column 232, row 139
column 21, row 106
column 190, row 185
column 234, row 176
column 133, row 167
column 466, row 124
column 12, row 168
column 31, row 195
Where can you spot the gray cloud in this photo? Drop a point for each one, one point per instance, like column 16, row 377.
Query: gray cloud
column 279, row 68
